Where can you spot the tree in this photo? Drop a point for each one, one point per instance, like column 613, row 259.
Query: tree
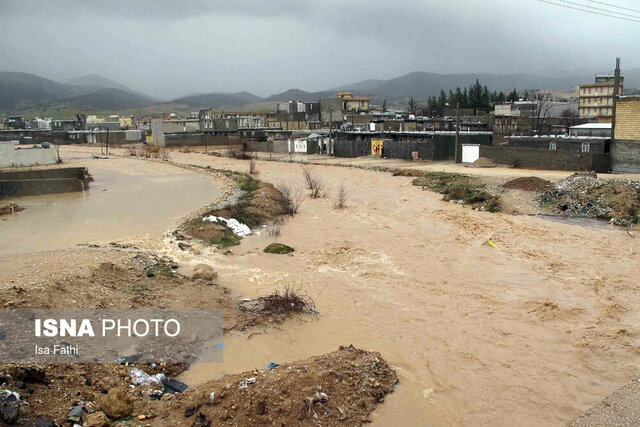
column 384, row 106
column 541, row 113
column 412, row 105
column 513, row 96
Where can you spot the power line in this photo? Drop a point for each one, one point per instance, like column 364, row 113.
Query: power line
column 600, row 9
column 589, row 11
column 613, row 5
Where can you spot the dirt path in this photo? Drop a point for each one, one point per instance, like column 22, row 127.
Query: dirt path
column 531, row 333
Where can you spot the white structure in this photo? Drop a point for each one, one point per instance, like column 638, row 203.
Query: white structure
column 11, row 154
column 470, row 153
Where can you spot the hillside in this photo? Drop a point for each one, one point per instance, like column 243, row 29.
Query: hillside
column 301, row 95
column 218, row 101
column 19, row 91
column 107, row 99
column 92, row 82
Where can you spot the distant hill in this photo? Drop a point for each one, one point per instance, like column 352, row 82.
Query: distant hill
column 108, row 99
column 92, row 82
column 301, row 95
column 218, row 101
column 423, row 84
column 19, row 91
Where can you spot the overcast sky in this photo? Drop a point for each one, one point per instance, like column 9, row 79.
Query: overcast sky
column 171, row 48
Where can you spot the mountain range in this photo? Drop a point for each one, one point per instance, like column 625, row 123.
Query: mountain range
column 23, row 92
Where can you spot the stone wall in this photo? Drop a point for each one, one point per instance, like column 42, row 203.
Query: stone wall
column 42, row 181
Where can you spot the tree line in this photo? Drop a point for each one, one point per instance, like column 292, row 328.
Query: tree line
column 475, row 96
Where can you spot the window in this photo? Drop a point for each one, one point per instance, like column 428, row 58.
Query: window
column 585, row 147
column 552, row 146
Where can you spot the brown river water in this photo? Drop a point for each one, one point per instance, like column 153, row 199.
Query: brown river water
column 530, row 332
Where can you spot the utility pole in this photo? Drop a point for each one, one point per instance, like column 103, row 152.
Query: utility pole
column 331, row 128
column 457, row 149
column 616, row 90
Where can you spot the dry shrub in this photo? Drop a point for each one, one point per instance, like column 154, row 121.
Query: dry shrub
column 341, row 199
column 314, row 183
column 291, row 300
column 273, row 229
column 288, row 200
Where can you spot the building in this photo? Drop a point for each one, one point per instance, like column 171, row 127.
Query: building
column 342, row 107
column 625, row 149
column 354, row 103
column 596, row 99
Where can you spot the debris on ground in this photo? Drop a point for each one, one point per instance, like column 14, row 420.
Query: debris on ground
column 482, row 162
column 227, row 225
column 278, row 248
column 238, row 228
column 342, row 387
column 204, row 272
column 528, row 183
column 585, row 195
column 10, row 208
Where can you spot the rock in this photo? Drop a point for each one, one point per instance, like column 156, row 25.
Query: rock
column 201, row 421
column 261, row 408
column 278, row 248
column 116, row 404
column 9, row 409
column 97, row 419
column 31, row 375
column 189, row 411
column 204, row 272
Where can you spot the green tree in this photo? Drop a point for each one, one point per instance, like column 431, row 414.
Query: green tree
column 412, row 105
column 384, row 106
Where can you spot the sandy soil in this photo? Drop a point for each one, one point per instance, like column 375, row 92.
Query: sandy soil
column 532, row 331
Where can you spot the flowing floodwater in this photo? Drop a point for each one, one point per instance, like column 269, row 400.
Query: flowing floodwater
column 128, row 199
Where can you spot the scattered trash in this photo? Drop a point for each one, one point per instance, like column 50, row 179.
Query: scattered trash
column 173, row 386
column 238, row 228
column 140, row 377
column 320, row 395
column 272, row 365
column 212, row 396
column 493, row 245
column 247, row 382
column 99, row 157
column 125, row 360
column 76, row 414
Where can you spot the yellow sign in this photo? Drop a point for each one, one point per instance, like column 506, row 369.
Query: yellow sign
column 149, row 138
column 376, row 146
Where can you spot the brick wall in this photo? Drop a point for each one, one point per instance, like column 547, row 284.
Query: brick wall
column 628, row 119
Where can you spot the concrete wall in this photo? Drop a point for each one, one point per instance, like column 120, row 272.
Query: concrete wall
column 625, row 156
column 278, row 146
column 11, row 154
column 179, row 139
column 596, row 145
column 42, row 181
column 531, row 158
column 35, row 136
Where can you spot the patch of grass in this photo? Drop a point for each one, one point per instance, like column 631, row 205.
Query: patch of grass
column 456, row 186
column 278, row 248
column 228, row 238
column 159, row 269
column 139, row 288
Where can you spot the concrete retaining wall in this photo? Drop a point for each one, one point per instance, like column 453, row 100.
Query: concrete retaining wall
column 531, row 158
column 42, row 181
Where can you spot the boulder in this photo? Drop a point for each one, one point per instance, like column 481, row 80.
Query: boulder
column 9, row 408
column 204, row 272
column 116, row 404
column 97, row 419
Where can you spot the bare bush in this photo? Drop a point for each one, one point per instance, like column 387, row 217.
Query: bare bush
column 317, row 189
column 308, row 176
column 314, row 183
column 253, row 169
column 288, row 200
column 273, row 229
column 291, row 300
column 341, row 198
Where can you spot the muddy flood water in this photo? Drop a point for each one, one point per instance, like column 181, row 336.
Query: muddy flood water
column 533, row 330
column 127, row 200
